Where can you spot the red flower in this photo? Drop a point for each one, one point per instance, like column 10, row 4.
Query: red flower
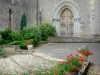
column 55, row 72
column 70, row 55
column 85, row 64
column 71, row 72
column 79, row 68
column 62, row 62
column 73, row 67
column 81, row 59
column 85, row 52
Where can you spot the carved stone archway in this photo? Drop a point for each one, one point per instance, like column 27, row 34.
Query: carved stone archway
column 74, row 9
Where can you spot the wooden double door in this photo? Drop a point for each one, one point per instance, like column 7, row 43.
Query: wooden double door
column 66, row 23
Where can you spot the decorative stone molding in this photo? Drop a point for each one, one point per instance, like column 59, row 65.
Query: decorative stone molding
column 54, row 19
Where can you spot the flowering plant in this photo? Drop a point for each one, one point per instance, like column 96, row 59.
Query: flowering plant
column 85, row 51
column 73, row 64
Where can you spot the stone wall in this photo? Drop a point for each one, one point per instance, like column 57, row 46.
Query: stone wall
column 19, row 7
column 96, row 25
column 88, row 19
column 48, row 8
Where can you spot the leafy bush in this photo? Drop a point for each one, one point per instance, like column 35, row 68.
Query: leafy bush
column 47, row 30
column 15, row 36
column 9, row 36
column 32, row 32
column 2, row 41
column 6, row 34
column 15, row 43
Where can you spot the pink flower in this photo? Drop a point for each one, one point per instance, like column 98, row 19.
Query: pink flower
column 91, row 52
column 71, row 55
column 76, row 50
column 77, row 55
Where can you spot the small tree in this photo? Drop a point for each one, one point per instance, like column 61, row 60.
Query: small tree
column 23, row 22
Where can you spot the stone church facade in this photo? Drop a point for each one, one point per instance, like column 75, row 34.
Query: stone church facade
column 71, row 18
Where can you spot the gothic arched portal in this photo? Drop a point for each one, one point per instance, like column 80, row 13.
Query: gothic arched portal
column 67, row 23
column 66, row 19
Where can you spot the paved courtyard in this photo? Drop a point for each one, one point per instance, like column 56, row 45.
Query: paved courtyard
column 61, row 50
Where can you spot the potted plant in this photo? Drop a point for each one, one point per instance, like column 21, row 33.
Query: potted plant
column 84, row 52
column 29, row 44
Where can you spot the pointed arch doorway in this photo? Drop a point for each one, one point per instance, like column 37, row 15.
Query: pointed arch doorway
column 66, row 23
column 66, row 19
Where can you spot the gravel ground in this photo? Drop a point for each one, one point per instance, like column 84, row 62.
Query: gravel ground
column 93, row 69
column 23, row 63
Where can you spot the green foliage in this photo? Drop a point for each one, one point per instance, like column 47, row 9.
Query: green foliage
column 47, row 30
column 15, row 43
column 15, row 36
column 6, row 34
column 71, row 64
column 22, row 46
column 25, row 73
column 2, row 52
column 9, row 36
column 29, row 32
column 32, row 32
column 23, row 22
column 2, row 41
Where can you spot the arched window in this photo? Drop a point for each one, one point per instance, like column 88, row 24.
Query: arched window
column 10, row 19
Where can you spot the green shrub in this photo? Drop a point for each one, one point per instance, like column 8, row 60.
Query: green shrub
column 32, row 32
column 47, row 30
column 6, row 34
column 15, row 43
column 16, row 36
column 9, row 36
column 2, row 41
